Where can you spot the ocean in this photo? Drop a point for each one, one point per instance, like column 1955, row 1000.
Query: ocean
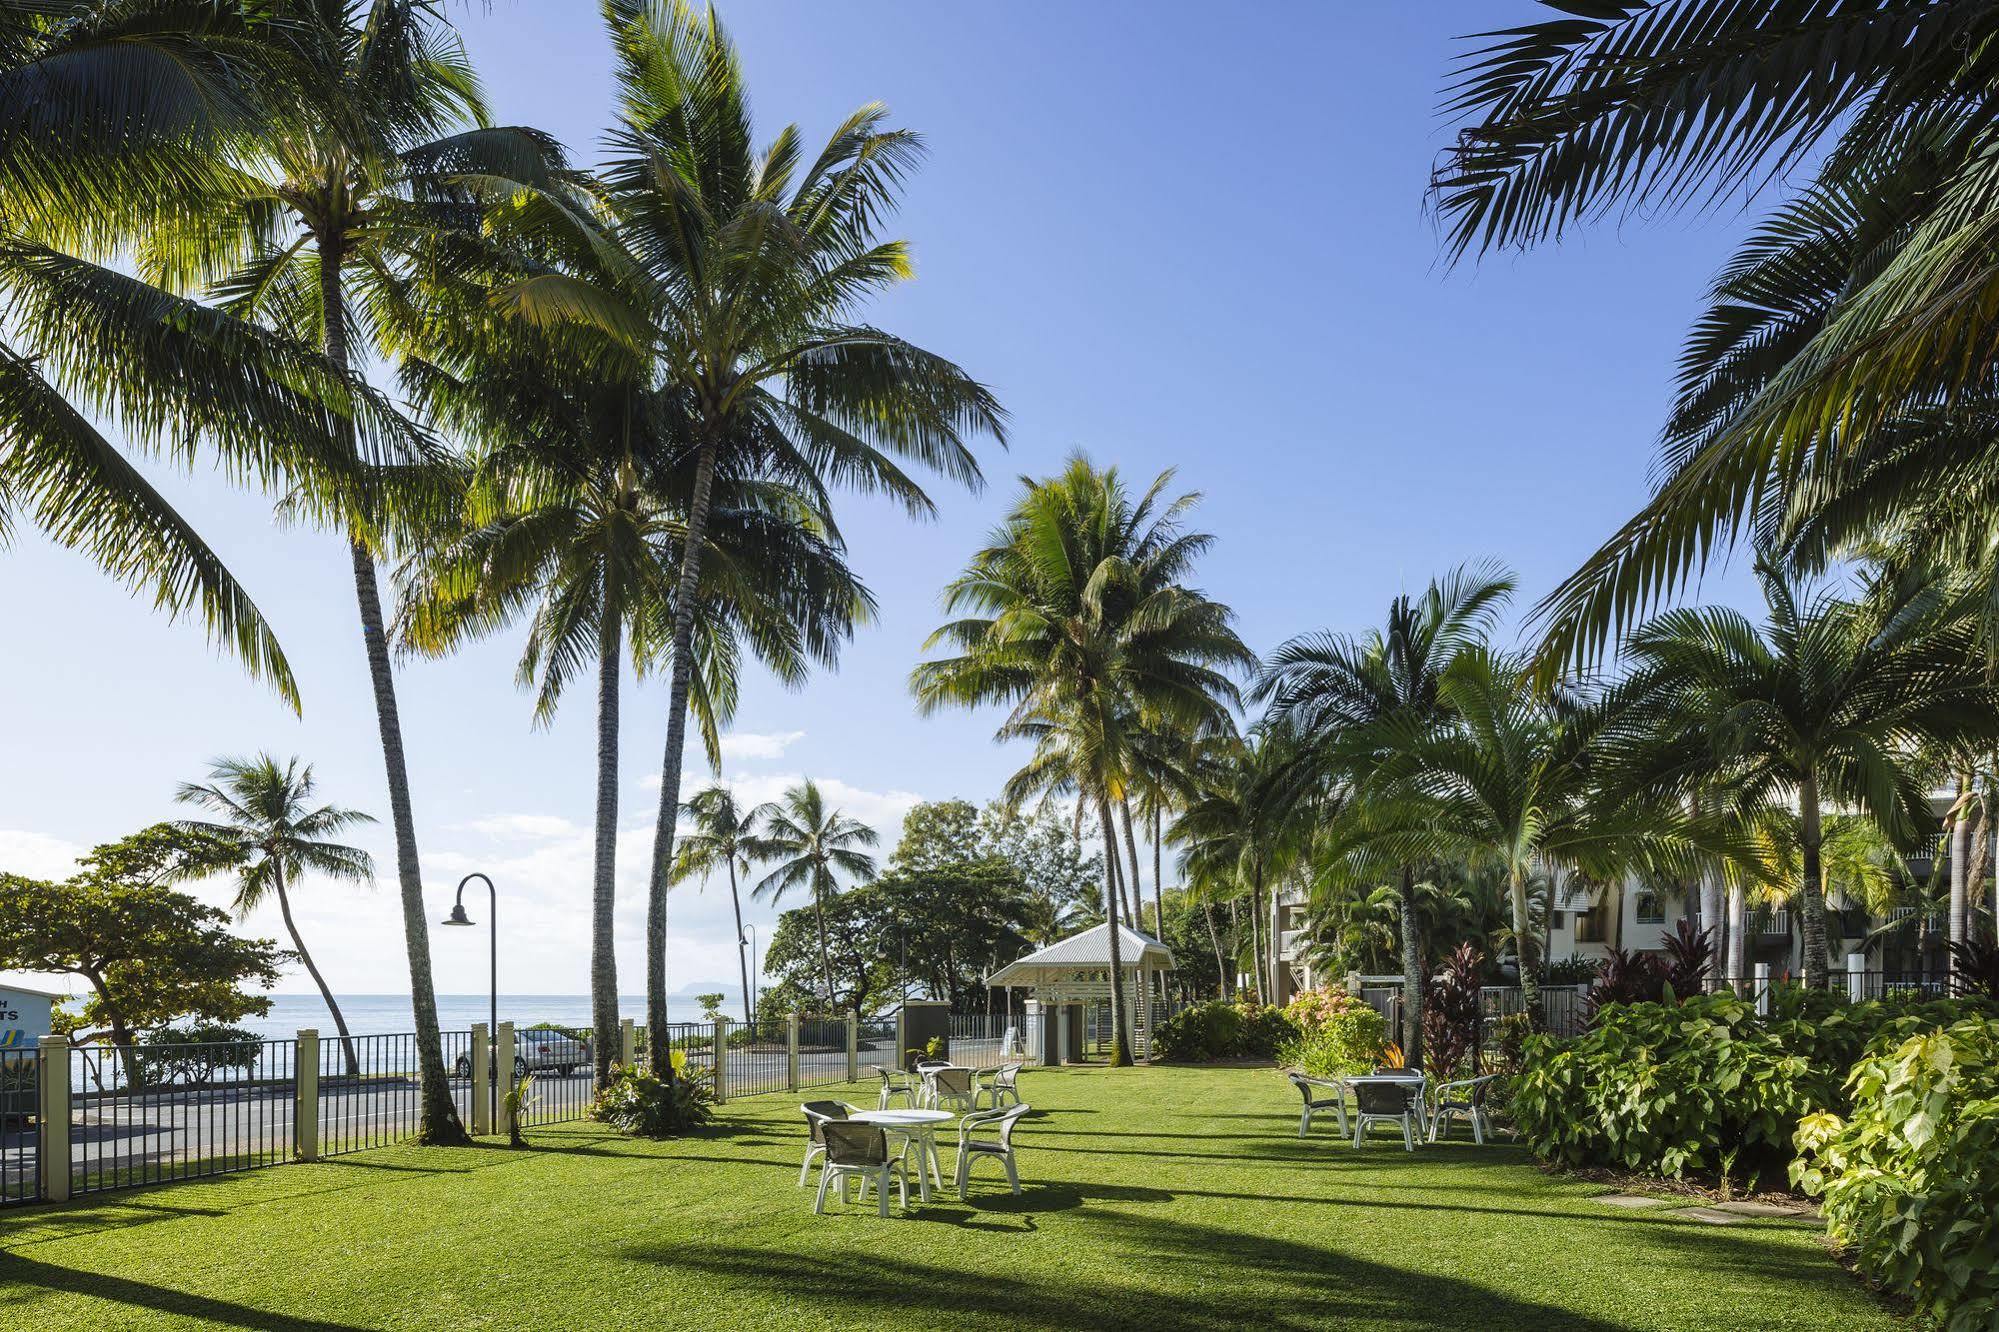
column 388, row 1014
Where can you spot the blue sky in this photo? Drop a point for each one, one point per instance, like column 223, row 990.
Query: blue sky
column 1170, row 235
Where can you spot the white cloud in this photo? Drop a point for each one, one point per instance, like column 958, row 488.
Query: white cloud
column 525, row 827
column 881, row 810
column 36, row 855
column 750, row 745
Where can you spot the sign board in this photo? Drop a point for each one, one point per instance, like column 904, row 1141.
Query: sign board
column 24, row 1016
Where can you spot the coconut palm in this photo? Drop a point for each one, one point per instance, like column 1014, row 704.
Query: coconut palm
column 1828, row 701
column 812, row 846
column 279, row 836
column 1839, row 378
column 1338, row 692
column 735, row 278
column 722, row 833
column 1077, row 617
column 374, row 173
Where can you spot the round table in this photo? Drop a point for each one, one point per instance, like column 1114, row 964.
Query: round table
column 919, row 1127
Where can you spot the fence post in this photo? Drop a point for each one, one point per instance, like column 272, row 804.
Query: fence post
column 482, row 1080
column 305, row 1095
column 504, row 1080
column 853, row 1048
column 1060, row 1013
column 791, row 1052
column 1761, row 984
column 628, row 1042
column 1856, row 976
column 52, row 1152
column 721, row 1079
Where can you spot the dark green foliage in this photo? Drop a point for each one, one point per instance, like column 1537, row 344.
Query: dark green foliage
column 1220, row 1030
column 1975, row 968
column 1572, row 971
column 1451, row 1013
column 636, row 1102
column 194, row 1054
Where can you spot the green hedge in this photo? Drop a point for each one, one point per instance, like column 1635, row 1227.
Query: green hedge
column 1217, row 1029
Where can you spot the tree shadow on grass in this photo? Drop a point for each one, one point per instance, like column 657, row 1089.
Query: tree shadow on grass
column 1209, row 1278
column 27, row 1275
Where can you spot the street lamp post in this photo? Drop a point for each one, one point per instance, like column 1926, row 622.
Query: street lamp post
column 756, row 975
column 458, row 917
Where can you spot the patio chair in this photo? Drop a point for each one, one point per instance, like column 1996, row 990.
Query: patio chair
column 953, row 1089
column 1387, row 1103
column 817, row 1113
column 859, row 1153
column 970, row 1148
column 895, row 1084
column 1464, row 1098
column 1003, row 1084
column 1337, row 1102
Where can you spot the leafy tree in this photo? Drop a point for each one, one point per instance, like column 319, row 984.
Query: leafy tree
column 1077, row 619
column 152, row 955
column 835, row 955
column 711, row 1005
column 723, row 833
column 1048, row 853
column 280, row 837
column 812, row 845
column 937, row 833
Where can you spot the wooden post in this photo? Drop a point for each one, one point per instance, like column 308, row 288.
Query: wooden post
column 721, row 1080
column 628, row 1042
column 52, row 1152
column 503, row 1058
column 482, row 1080
column 853, row 1048
column 791, row 1052
column 305, row 1096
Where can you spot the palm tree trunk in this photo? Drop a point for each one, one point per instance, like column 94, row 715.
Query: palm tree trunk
column 825, row 950
column 1137, row 917
column 1960, row 864
column 311, row 969
column 1710, row 896
column 437, row 1116
column 676, row 741
column 1256, row 933
column 1738, row 934
column 1523, row 944
column 1412, row 974
column 742, row 944
column 1158, row 880
column 1812, row 892
column 1279, row 980
column 1120, row 1043
column 1215, row 938
column 604, row 881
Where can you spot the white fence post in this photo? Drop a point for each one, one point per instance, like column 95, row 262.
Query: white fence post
column 628, row 1042
column 1856, row 976
column 505, row 1081
column 853, row 1048
column 791, row 1052
column 1060, row 1015
column 482, row 1092
column 305, row 1095
column 52, row 1152
column 721, row 1080
column 1761, row 984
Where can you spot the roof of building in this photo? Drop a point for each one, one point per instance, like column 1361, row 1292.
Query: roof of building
column 1083, row 951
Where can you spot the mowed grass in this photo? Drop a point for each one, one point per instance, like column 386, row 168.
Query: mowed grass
column 1157, row 1198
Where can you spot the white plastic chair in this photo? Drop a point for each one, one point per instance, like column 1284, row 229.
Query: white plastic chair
column 1005, row 1083
column 1464, row 1099
column 817, row 1113
column 859, row 1152
column 969, row 1147
column 1397, row 1101
column 953, row 1089
column 1337, row 1102
column 895, row 1084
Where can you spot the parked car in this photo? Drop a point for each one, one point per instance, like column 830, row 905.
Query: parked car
column 540, row 1050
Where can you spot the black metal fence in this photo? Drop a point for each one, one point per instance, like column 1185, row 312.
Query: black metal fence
column 157, row 1113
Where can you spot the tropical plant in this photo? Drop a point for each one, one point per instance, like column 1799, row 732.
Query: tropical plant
column 1340, row 692
column 1975, row 968
column 723, row 834
column 812, row 845
column 266, row 813
column 1826, row 702
column 1454, row 1014
column 1076, row 617
column 641, row 1103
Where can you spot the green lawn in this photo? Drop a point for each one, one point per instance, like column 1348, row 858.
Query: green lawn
column 1157, row 1198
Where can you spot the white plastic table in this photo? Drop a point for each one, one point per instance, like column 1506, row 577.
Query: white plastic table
column 920, row 1127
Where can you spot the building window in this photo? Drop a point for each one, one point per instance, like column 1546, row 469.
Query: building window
column 1589, row 926
column 1651, row 911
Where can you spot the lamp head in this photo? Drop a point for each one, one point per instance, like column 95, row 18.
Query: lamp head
column 457, row 916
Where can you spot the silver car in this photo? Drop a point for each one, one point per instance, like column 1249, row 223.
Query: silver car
column 540, row 1050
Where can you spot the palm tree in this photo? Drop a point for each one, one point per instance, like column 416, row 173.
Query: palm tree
column 1841, row 378
column 1076, row 617
column 812, row 846
column 723, row 833
column 280, row 837
column 373, row 175
column 1340, row 692
column 733, row 277
column 1828, row 701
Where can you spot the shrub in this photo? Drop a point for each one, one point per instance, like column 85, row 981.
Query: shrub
column 1911, row 1179
column 1351, row 1040
column 1974, row 968
column 1451, row 1012
column 1217, row 1029
column 636, row 1102
column 1571, row 970
column 193, row 1055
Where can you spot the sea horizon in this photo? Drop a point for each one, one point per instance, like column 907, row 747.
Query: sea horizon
column 391, row 1013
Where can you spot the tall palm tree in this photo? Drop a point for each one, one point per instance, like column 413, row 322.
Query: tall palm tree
column 1077, row 618
column 1841, row 377
column 734, row 277
column 813, row 845
column 1827, row 702
column 1340, row 692
column 373, row 174
column 267, row 814
column 722, row 833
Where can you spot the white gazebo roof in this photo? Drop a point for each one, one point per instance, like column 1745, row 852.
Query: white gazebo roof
column 1088, row 950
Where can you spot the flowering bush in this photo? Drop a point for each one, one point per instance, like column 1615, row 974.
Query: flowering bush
column 1335, row 1034
column 1312, row 1009
column 636, row 1102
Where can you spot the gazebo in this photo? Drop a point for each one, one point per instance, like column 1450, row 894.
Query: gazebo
column 1076, row 971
